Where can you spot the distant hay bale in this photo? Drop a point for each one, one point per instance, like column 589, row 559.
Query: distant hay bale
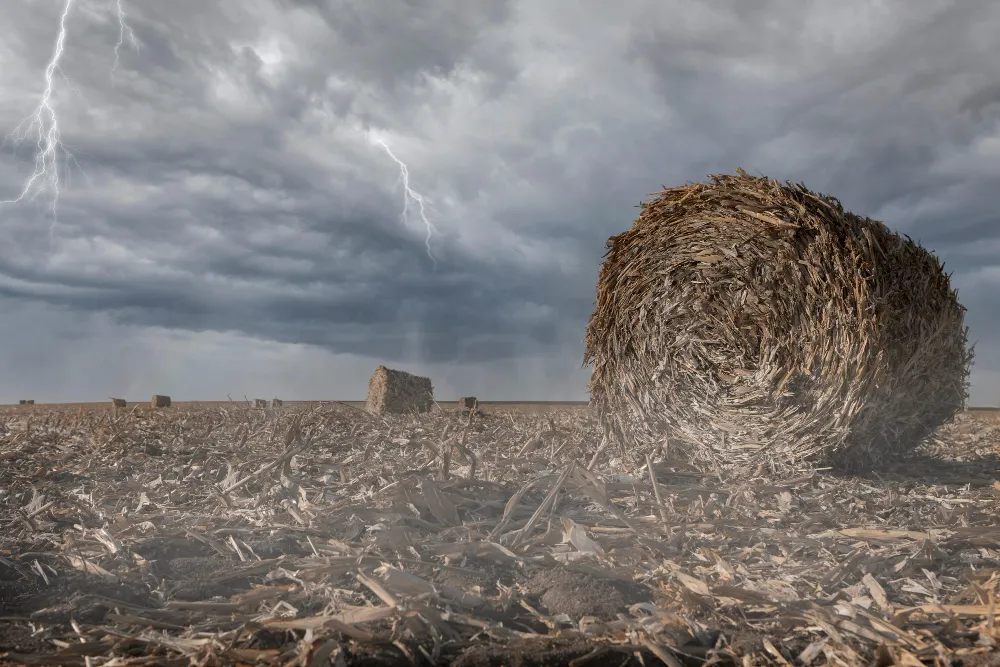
column 467, row 402
column 391, row 391
column 160, row 401
column 22, row 402
column 119, row 402
column 276, row 403
column 260, row 403
column 743, row 320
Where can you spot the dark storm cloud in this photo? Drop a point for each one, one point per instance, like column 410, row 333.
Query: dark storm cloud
column 412, row 39
column 894, row 105
column 232, row 186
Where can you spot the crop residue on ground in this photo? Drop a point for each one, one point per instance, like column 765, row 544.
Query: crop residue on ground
column 309, row 535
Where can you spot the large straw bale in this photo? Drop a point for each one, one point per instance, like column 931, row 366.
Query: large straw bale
column 467, row 402
column 276, row 403
column 260, row 402
column 119, row 402
column 391, row 391
column 160, row 401
column 743, row 321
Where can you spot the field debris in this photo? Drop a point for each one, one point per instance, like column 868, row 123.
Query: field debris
column 469, row 405
column 398, row 392
column 320, row 535
column 160, row 401
column 746, row 321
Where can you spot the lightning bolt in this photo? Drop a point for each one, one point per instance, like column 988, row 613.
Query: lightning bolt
column 408, row 194
column 123, row 30
column 43, row 124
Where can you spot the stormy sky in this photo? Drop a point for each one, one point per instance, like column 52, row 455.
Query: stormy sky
column 229, row 222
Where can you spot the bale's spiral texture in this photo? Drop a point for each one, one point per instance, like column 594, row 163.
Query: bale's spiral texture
column 391, row 391
column 743, row 319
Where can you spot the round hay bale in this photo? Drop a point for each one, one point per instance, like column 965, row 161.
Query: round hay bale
column 743, row 320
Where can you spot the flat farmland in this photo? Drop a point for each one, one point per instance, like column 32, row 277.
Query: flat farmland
column 514, row 406
column 220, row 534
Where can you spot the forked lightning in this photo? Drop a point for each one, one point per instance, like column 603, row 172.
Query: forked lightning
column 43, row 124
column 123, row 31
column 50, row 153
column 408, row 194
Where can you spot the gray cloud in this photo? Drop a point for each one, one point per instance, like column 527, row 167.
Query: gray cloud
column 232, row 197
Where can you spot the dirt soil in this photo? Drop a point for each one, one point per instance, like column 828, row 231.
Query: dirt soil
column 318, row 535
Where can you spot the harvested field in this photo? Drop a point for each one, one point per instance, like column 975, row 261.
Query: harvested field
column 320, row 534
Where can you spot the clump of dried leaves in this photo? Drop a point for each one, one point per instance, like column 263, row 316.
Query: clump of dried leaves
column 316, row 535
column 744, row 320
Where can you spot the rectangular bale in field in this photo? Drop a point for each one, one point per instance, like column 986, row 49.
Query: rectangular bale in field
column 276, row 403
column 160, row 401
column 392, row 391
column 468, row 402
column 22, row 402
column 30, row 401
column 119, row 402
column 260, row 403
